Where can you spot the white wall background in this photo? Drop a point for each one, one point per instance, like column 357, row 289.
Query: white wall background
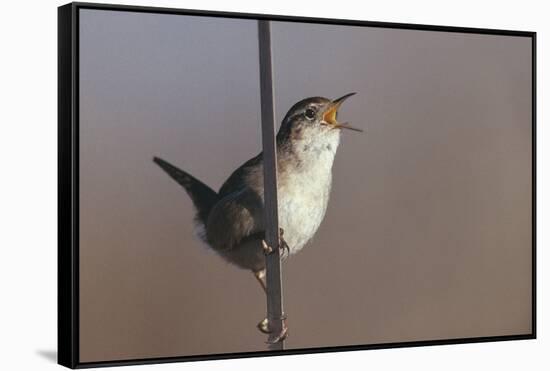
column 28, row 158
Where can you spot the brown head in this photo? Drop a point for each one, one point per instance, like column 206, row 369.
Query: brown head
column 315, row 116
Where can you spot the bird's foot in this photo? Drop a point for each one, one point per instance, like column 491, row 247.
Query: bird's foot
column 267, row 249
column 263, row 326
column 283, row 246
column 281, row 336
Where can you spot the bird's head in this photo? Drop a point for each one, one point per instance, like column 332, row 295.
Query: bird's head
column 312, row 118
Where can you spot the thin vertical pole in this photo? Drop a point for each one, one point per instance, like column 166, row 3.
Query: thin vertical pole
column 273, row 259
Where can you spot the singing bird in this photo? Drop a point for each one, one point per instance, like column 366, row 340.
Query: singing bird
column 231, row 221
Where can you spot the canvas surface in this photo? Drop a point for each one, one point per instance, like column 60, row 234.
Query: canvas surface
column 428, row 229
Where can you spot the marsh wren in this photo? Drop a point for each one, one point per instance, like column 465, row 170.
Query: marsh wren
column 231, row 221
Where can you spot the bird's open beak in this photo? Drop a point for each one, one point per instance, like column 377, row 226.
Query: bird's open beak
column 329, row 116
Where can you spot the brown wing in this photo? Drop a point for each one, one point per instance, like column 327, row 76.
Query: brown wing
column 234, row 218
column 251, row 173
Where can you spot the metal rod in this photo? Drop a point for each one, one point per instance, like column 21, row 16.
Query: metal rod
column 273, row 261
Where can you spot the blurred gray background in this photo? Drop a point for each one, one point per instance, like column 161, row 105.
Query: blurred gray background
column 428, row 230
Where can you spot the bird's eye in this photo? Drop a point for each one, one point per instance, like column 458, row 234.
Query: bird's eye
column 310, row 114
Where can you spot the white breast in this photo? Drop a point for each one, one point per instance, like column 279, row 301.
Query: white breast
column 304, row 192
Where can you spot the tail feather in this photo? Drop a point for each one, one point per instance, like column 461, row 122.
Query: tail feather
column 203, row 197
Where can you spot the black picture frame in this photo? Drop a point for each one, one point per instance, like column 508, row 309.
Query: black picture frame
column 68, row 182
